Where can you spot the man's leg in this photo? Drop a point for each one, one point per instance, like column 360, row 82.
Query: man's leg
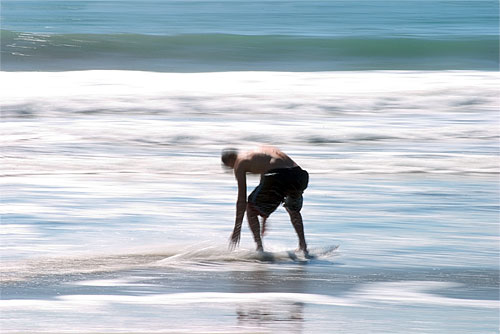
column 263, row 226
column 253, row 221
column 296, row 219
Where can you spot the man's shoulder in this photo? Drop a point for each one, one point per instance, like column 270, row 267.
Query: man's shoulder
column 253, row 162
column 242, row 165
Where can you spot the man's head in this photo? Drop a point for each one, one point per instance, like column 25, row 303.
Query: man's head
column 229, row 156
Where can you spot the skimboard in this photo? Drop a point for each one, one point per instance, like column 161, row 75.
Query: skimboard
column 297, row 256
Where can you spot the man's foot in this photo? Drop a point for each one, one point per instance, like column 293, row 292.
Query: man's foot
column 306, row 253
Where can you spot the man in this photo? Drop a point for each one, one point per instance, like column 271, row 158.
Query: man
column 282, row 181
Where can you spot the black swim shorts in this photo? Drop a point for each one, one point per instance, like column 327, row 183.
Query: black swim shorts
column 282, row 185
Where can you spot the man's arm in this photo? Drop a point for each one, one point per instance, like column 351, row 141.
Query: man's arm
column 241, row 205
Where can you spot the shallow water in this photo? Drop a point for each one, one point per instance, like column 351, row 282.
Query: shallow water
column 117, row 219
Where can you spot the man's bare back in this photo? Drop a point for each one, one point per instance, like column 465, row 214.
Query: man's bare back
column 282, row 181
column 262, row 160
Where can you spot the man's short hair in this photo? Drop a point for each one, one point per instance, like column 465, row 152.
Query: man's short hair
column 229, row 154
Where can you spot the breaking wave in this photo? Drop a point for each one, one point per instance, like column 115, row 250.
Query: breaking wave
column 222, row 52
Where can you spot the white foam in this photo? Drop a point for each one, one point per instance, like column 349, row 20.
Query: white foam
column 370, row 295
column 256, row 92
column 352, row 122
column 415, row 293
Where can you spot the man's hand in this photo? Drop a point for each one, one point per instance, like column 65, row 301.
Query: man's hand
column 240, row 212
column 235, row 239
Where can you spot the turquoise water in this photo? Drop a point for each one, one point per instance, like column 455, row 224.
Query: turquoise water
column 437, row 19
column 116, row 213
column 192, row 36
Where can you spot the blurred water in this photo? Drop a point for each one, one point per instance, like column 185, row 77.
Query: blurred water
column 116, row 215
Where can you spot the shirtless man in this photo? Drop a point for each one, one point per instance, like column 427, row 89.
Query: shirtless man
column 282, row 181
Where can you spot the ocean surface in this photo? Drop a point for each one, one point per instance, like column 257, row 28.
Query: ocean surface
column 235, row 35
column 116, row 212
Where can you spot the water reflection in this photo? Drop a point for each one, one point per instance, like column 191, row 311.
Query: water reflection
column 276, row 316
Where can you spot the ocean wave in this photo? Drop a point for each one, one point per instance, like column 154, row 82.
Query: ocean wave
column 213, row 52
column 349, row 122
column 232, row 94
